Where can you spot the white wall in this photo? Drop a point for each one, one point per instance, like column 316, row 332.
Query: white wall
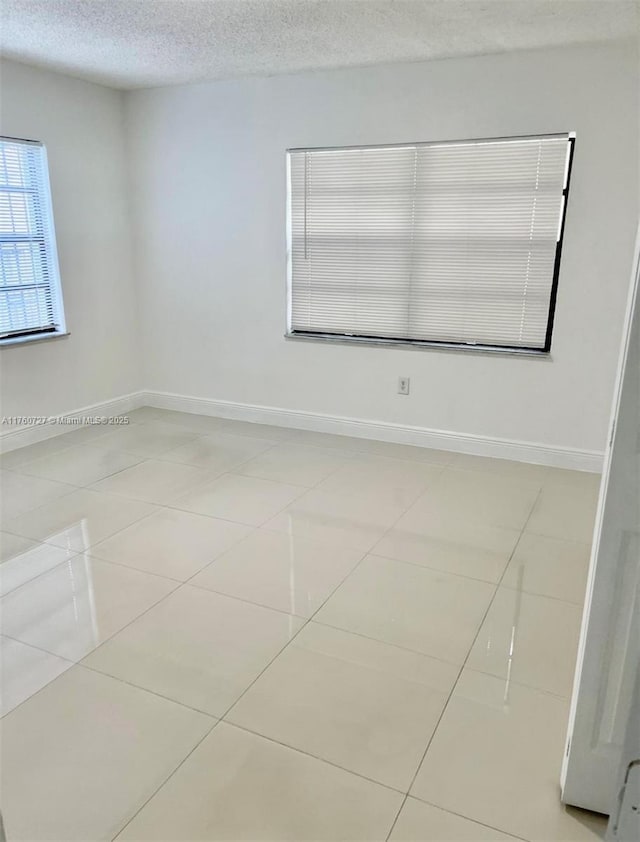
column 208, row 164
column 82, row 126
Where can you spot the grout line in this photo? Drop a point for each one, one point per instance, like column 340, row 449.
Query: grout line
column 222, row 718
column 173, row 701
column 313, row 756
column 90, row 668
column 169, row 776
column 319, row 542
column 386, row 643
column 71, row 555
column 88, row 550
column 40, row 689
column 466, row 818
column 457, row 681
column 7, row 521
column 438, row 659
column 61, row 497
column 442, row 570
column 397, row 816
column 303, row 491
column 229, row 468
column 575, row 604
column 371, row 551
column 121, row 566
column 245, row 601
column 106, row 639
column 20, row 469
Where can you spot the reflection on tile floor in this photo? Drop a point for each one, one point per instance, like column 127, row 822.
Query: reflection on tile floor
column 219, row 630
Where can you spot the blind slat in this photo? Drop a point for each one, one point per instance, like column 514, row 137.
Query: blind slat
column 433, row 242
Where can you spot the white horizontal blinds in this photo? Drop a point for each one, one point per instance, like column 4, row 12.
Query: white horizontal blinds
column 486, row 231
column 444, row 242
column 28, row 265
column 352, row 226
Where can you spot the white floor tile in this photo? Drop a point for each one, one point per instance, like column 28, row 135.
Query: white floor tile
column 25, row 670
column 80, row 519
column 502, row 467
column 420, row 822
column 482, row 498
column 373, row 447
column 83, row 755
column 268, row 527
column 329, row 440
column 154, row 481
column 197, row 647
column 549, row 567
column 201, row 424
column 496, row 757
column 280, row 571
column 444, row 522
column 238, row 786
column 254, row 430
column 363, row 705
column 218, row 452
column 423, row 610
column 185, row 420
column 451, row 556
column 171, row 543
column 149, row 439
column 20, row 494
column 566, row 510
column 19, row 456
column 529, row 639
column 353, row 521
column 80, row 465
column 145, row 414
column 406, row 451
column 295, row 464
column 586, row 481
column 29, row 564
column 89, row 433
column 14, row 545
column 76, row 606
column 246, row 500
column 394, row 480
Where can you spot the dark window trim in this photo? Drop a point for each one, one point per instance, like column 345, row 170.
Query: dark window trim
column 37, row 331
column 556, row 265
column 442, row 344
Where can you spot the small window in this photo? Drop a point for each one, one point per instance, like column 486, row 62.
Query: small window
column 30, row 295
column 451, row 244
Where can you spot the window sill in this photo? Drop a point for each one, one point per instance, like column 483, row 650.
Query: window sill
column 37, row 337
column 420, row 346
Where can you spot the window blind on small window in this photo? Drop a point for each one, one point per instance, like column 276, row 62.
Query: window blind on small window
column 29, row 284
column 450, row 242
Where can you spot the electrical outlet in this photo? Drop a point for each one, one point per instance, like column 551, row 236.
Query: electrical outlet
column 403, row 385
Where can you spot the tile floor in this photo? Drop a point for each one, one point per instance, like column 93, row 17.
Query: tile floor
column 215, row 630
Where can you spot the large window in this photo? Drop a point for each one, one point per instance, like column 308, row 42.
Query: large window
column 30, row 296
column 454, row 244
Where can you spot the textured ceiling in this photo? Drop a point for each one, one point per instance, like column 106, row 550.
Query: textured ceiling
column 144, row 43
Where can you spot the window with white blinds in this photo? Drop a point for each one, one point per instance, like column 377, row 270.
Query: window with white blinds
column 445, row 243
column 30, row 296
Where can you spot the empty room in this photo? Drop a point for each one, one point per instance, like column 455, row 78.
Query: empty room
column 320, row 420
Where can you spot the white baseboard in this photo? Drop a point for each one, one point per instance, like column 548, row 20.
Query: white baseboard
column 520, row 451
column 13, row 437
